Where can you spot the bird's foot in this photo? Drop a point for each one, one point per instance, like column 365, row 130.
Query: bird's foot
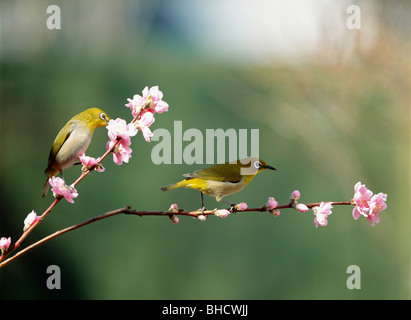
column 232, row 206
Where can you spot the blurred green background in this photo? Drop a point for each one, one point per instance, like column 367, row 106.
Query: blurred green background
column 332, row 106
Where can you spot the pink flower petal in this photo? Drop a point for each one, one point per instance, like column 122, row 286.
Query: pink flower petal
column 367, row 204
column 60, row 188
column 321, row 213
column 120, row 128
column 152, row 99
column 144, row 124
column 122, row 152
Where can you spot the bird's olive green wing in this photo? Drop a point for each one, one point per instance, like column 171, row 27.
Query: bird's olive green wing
column 61, row 138
column 221, row 172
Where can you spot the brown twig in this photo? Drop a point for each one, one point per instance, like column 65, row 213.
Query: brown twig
column 127, row 210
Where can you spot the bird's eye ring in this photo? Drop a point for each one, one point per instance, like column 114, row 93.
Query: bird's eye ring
column 103, row 116
column 257, row 164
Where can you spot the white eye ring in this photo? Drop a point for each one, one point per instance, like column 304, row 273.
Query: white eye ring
column 257, row 164
column 103, row 116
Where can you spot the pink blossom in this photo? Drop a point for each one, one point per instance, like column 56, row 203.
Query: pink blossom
column 4, row 243
column 174, row 218
column 152, row 99
column 301, row 207
column 241, row 206
column 31, row 218
column 377, row 204
column 367, row 204
column 271, row 203
column 156, row 97
column 222, row 213
column 122, row 152
column 120, row 128
column 144, row 124
column 60, row 188
column 362, row 196
column 295, row 195
column 135, row 104
column 90, row 162
column 321, row 213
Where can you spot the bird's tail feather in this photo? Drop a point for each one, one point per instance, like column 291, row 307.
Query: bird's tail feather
column 46, row 187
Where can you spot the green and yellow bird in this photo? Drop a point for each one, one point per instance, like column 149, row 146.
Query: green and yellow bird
column 222, row 179
column 72, row 141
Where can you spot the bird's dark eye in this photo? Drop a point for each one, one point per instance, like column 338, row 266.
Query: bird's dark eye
column 257, row 164
column 103, row 116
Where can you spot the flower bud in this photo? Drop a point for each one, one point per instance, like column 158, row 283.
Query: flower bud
column 295, row 195
column 31, row 218
column 202, row 217
column 301, row 207
column 271, row 203
column 222, row 213
column 4, row 244
column 241, row 206
column 275, row 212
column 173, row 208
column 174, row 218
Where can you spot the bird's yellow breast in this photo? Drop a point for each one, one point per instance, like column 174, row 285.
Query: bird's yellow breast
column 213, row 188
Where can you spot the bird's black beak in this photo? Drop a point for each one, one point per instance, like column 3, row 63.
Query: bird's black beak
column 269, row 167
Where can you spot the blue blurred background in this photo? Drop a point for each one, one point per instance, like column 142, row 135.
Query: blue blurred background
column 332, row 106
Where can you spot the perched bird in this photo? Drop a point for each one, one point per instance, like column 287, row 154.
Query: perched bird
column 73, row 140
column 222, row 179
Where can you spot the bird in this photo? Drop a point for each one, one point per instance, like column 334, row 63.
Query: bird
column 222, row 179
column 72, row 141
